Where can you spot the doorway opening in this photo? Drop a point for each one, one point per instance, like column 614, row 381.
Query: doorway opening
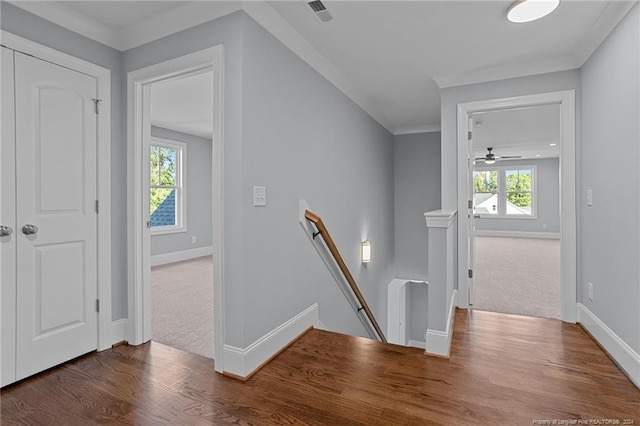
column 565, row 102
column 176, row 199
column 516, row 200
column 180, row 188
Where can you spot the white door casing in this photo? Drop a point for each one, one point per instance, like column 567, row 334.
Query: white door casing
column 56, row 138
column 568, row 219
column 138, row 82
column 8, row 218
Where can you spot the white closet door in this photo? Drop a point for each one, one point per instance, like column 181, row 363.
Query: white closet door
column 56, row 191
column 8, row 219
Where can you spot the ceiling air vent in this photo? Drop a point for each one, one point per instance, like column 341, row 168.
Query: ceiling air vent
column 320, row 10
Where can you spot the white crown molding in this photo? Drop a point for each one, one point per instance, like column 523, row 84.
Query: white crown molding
column 611, row 16
column 427, row 128
column 608, row 20
column 503, row 72
column 197, row 13
column 173, row 21
column 67, row 18
column 274, row 23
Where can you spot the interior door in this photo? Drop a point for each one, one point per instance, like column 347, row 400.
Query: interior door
column 8, row 224
column 471, row 222
column 56, row 238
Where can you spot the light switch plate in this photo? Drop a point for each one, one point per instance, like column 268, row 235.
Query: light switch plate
column 259, row 196
column 589, row 197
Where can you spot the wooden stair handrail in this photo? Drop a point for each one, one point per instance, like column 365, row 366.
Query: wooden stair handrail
column 322, row 230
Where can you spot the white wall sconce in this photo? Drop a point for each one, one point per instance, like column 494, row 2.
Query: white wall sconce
column 365, row 251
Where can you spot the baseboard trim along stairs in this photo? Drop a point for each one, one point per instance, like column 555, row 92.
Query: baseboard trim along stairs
column 242, row 363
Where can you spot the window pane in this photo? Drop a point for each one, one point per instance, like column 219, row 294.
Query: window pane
column 485, row 181
column 167, row 161
column 485, row 203
column 485, row 197
column 155, row 169
column 163, row 207
column 518, row 180
column 519, row 203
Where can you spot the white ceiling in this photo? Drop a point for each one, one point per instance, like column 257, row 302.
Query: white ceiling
column 184, row 104
column 526, row 132
column 390, row 57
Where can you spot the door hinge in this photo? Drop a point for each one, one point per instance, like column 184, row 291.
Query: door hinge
column 469, row 204
column 469, row 135
column 97, row 207
column 470, row 273
column 97, row 102
column 97, row 305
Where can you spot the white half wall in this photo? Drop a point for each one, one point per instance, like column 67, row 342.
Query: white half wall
column 439, row 342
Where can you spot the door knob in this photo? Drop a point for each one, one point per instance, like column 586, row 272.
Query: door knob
column 5, row 231
column 29, row 229
column 476, row 216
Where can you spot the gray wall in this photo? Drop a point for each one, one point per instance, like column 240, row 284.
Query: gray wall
column 610, row 228
column 31, row 27
column 304, row 139
column 548, row 204
column 416, row 191
column 227, row 31
column 287, row 128
column 199, row 190
column 290, row 130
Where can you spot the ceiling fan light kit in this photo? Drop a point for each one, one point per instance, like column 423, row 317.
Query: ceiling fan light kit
column 491, row 158
column 530, row 10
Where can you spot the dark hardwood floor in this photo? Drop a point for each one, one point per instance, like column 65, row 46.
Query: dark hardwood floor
column 503, row 369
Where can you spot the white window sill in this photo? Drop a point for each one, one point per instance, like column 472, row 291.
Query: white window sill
column 167, row 230
column 507, row 217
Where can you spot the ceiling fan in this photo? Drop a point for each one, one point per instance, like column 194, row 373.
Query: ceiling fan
column 491, row 158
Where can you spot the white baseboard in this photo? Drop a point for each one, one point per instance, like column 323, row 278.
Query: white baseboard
column 178, row 256
column 518, row 234
column 439, row 342
column 320, row 326
column 242, row 363
column 621, row 353
column 119, row 331
column 417, row 344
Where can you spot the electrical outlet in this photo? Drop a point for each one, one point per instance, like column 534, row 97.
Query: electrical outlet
column 544, row 226
column 590, row 291
column 193, row 239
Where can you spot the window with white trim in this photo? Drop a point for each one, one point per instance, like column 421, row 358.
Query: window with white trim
column 505, row 191
column 167, row 205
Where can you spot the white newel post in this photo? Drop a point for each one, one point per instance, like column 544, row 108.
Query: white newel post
column 441, row 270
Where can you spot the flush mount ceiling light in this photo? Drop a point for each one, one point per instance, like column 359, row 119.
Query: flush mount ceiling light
column 530, row 10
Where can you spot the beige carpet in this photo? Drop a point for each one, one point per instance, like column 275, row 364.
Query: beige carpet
column 182, row 305
column 518, row 276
